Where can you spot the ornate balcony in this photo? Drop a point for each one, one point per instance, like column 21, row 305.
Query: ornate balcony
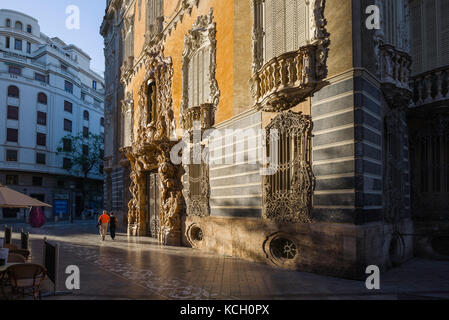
column 204, row 113
column 431, row 87
column 394, row 75
column 289, row 79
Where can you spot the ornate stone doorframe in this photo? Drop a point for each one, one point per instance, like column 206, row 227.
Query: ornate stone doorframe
column 151, row 151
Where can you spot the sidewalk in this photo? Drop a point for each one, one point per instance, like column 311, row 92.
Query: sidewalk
column 138, row 268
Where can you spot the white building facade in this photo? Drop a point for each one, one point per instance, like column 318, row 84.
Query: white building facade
column 47, row 91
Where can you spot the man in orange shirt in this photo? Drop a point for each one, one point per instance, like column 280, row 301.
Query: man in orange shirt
column 103, row 220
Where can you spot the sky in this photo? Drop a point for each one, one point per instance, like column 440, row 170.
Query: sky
column 52, row 17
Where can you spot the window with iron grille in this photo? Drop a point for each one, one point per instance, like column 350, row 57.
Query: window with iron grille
column 67, row 125
column 41, row 139
column 40, row 158
column 13, row 113
column 68, row 107
column 41, row 118
column 12, row 135
column 11, row 155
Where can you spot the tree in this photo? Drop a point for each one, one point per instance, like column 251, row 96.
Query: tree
column 86, row 153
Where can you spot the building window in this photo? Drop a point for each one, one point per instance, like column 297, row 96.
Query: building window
column 28, row 47
column 37, row 181
column 13, row 92
column 8, row 23
column 41, row 118
column 12, row 179
column 42, row 98
column 67, row 163
column 12, row 135
column 19, row 25
column 68, row 107
column 11, row 155
column 68, row 87
column 8, row 42
column 40, row 158
column 41, row 139
column 288, row 192
column 94, row 84
column 86, row 115
column 85, row 132
column 60, row 183
column 40, row 77
column 18, row 44
column 67, row 125
column 284, row 25
column 15, row 70
column 85, row 149
column 102, row 122
column 198, row 65
column 13, row 113
column 66, row 145
column 29, row 29
column 83, row 96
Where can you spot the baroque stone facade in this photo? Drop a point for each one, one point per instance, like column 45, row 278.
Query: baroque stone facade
column 247, row 72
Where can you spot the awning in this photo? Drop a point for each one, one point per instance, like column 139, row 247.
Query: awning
column 16, row 200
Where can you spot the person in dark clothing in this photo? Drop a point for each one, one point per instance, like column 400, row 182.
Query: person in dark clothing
column 113, row 225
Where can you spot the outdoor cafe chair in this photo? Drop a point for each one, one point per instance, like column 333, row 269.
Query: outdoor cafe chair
column 16, row 258
column 27, row 278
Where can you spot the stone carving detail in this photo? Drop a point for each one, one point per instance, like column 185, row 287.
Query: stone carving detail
column 198, row 201
column 291, row 200
column 202, row 34
column 128, row 116
column 151, row 151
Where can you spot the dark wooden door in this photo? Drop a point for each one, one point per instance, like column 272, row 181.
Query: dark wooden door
column 153, row 196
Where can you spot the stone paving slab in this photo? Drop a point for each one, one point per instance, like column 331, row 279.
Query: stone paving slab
column 138, row 268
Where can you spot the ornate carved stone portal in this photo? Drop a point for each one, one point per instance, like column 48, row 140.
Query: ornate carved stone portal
column 288, row 193
column 151, row 152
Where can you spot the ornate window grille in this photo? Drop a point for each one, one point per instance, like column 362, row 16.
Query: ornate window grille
column 288, row 193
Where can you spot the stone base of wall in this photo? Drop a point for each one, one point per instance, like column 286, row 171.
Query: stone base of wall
column 432, row 239
column 334, row 249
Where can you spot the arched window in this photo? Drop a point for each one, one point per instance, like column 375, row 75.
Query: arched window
column 8, row 23
column 18, row 26
column 42, row 98
column 151, row 99
column 13, row 92
column 86, row 115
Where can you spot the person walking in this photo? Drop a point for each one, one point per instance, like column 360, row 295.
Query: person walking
column 113, row 225
column 103, row 221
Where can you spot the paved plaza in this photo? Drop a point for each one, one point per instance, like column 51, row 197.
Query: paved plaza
column 138, row 268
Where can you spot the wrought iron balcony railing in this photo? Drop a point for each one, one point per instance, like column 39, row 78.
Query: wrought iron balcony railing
column 430, row 87
column 288, row 79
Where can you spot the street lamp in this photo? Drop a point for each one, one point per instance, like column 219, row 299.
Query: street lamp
column 72, row 204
